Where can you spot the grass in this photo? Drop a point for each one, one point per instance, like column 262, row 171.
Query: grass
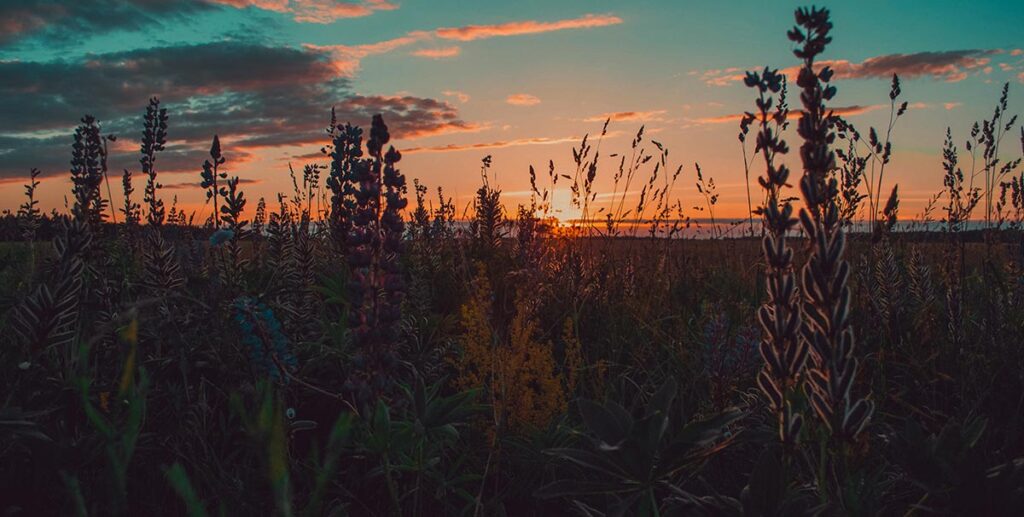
column 346, row 354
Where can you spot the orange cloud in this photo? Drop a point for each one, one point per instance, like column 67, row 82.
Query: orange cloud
column 491, row 145
column 315, row 11
column 475, row 32
column 627, row 116
column 844, row 111
column 437, row 53
column 952, row 105
column 196, row 184
column 522, row 99
column 722, row 77
column 462, row 96
column 347, row 57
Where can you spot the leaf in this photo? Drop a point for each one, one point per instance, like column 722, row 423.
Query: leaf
column 662, row 399
column 591, row 460
column 766, row 486
column 575, row 487
column 611, row 423
column 179, row 481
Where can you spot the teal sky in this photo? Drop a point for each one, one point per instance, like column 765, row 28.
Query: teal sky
column 665, row 64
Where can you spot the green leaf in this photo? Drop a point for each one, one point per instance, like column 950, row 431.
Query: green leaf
column 181, row 484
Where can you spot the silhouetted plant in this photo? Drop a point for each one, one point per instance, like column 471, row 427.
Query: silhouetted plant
column 49, row 317
column 782, row 348
column 827, row 297
column 231, row 211
column 28, row 212
column 88, row 168
column 154, row 137
column 161, row 270
column 994, row 169
column 487, row 226
column 346, row 151
column 211, row 177
column 131, row 209
column 375, row 245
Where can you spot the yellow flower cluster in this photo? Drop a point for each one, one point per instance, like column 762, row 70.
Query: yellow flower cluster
column 518, row 372
column 573, row 355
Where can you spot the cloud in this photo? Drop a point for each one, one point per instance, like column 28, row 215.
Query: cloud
column 437, row 53
column 461, row 96
column 196, row 185
column 347, row 57
column 952, row 105
column 949, row 66
column 475, row 32
column 411, row 117
column 722, row 77
column 65, row 21
column 522, row 99
column 253, row 96
column 314, row 11
column 628, row 116
column 491, row 145
column 844, row 111
column 45, row 95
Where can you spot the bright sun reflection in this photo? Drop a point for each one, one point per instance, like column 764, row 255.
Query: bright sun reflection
column 562, row 208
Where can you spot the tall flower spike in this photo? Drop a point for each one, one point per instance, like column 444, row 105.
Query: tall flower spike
column 211, row 176
column 783, row 351
column 154, row 137
column 826, row 308
column 374, row 243
column 345, row 151
column 88, row 159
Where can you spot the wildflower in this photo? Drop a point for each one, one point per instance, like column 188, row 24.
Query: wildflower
column 262, row 334
column 221, row 236
column 826, row 305
column 519, row 375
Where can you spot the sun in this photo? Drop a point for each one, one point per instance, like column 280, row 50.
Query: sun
column 563, row 210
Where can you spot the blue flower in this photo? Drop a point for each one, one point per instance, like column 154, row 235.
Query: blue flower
column 221, row 236
column 262, row 334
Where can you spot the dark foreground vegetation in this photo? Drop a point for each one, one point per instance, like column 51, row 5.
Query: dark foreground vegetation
column 343, row 353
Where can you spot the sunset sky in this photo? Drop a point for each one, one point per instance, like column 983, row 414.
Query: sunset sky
column 456, row 81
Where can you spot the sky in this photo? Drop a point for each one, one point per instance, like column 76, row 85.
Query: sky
column 459, row 80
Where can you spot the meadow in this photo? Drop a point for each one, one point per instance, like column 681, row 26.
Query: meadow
column 362, row 346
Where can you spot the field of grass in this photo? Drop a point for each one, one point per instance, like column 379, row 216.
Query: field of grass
column 382, row 356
